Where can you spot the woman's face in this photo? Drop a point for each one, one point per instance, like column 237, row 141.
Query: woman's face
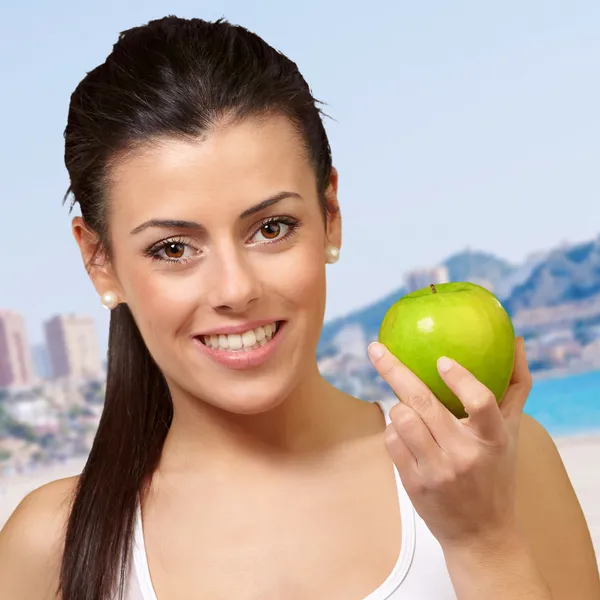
column 218, row 248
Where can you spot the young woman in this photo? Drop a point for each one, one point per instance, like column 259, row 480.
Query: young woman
column 224, row 465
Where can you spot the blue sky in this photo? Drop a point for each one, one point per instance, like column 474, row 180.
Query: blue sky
column 458, row 124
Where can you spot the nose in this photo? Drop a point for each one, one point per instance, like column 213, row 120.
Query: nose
column 235, row 284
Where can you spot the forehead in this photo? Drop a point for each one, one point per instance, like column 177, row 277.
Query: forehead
column 233, row 166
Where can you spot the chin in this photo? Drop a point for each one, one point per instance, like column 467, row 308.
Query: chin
column 249, row 393
column 249, row 399
column 252, row 406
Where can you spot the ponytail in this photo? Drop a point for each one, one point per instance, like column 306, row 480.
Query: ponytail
column 135, row 420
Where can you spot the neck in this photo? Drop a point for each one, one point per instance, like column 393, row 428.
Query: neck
column 312, row 420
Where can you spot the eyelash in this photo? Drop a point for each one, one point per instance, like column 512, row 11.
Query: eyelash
column 291, row 223
column 154, row 251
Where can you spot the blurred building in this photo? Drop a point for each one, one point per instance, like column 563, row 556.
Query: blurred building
column 63, row 393
column 420, row 278
column 16, row 365
column 73, row 347
column 38, row 413
column 41, row 361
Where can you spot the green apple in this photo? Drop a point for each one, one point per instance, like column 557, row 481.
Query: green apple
column 460, row 320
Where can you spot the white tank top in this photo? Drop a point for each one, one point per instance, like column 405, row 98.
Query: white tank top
column 419, row 574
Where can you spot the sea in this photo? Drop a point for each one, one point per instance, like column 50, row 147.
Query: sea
column 567, row 405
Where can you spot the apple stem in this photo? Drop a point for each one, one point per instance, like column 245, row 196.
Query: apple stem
column 433, row 288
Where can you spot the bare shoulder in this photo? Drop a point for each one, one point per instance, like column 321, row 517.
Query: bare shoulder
column 32, row 541
column 551, row 517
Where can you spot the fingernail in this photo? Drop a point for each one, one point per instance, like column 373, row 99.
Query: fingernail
column 444, row 364
column 376, row 350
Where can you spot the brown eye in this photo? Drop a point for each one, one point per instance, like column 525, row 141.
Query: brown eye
column 271, row 230
column 274, row 230
column 174, row 250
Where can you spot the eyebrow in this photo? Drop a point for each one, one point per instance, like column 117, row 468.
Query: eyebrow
column 180, row 224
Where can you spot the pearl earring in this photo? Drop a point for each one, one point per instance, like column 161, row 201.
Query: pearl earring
column 109, row 300
column 332, row 254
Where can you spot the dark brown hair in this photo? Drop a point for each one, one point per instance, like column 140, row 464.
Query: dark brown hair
column 171, row 77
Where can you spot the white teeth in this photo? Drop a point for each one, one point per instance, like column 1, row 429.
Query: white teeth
column 249, row 340
column 235, row 341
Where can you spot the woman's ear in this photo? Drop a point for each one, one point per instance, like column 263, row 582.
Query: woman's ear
column 95, row 259
column 334, row 217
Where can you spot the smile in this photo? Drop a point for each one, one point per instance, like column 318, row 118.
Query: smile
column 244, row 342
column 243, row 350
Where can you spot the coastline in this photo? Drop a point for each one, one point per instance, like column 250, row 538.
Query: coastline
column 579, row 453
column 562, row 372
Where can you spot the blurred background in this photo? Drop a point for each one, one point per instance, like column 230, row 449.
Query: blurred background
column 465, row 134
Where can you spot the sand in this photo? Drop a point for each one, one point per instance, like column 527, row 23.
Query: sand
column 13, row 489
column 580, row 454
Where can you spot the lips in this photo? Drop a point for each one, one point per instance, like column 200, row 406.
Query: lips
column 247, row 356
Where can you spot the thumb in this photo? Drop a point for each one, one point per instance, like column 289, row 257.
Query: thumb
column 518, row 390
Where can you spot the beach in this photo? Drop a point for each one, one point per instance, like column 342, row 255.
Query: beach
column 580, row 454
column 14, row 488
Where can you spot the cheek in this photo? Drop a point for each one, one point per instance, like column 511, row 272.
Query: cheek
column 301, row 279
column 161, row 303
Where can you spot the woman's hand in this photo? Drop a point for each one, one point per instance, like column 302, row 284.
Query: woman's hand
column 459, row 473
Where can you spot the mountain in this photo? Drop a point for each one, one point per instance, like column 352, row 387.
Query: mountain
column 565, row 275
column 478, row 267
column 519, row 275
